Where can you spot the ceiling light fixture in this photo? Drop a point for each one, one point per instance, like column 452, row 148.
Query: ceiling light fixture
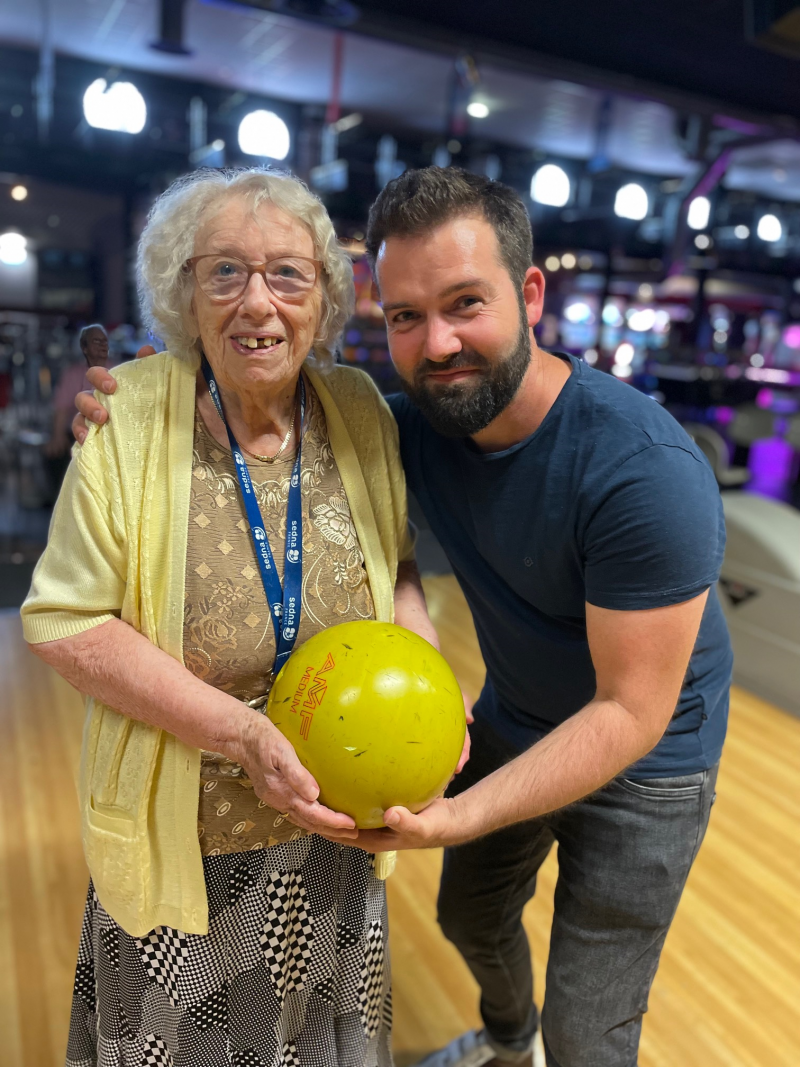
column 119, row 106
column 550, row 185
column 13, row 249
column 699, row 213
column 263, row 133
column 631, row 202
column 769, row 228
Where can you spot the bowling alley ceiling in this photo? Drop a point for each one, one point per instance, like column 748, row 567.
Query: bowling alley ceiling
column 552, row 72
column 740, row 52
column 676, row 50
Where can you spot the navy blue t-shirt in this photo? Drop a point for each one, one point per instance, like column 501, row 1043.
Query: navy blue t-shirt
column 609, row 502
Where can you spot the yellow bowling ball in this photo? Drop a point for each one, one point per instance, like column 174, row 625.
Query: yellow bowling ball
column 375, row 714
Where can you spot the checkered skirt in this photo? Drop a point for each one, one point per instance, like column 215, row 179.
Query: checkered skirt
column 294, row 971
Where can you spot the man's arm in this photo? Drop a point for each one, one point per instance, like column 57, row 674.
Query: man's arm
column 411, row 611
column 89, row 408
column 640, row 659
column 410, row 608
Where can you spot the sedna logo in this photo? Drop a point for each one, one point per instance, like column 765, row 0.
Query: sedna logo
column 259, row 534
column 293, row 555
column 289, row 632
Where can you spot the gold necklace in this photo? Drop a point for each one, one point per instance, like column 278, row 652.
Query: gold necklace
column 284, row 442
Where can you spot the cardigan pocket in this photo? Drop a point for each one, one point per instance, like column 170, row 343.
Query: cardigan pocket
column 122, row 769
column 115, row 822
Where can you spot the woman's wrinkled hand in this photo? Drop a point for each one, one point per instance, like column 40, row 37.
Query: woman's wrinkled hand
column 280, row 779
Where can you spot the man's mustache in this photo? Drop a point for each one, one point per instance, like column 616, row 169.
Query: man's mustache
column 464, row 359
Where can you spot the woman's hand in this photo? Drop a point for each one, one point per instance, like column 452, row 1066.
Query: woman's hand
column 121, row 668
column 280, row 779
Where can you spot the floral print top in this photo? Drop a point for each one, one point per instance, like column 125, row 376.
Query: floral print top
column 227, row 636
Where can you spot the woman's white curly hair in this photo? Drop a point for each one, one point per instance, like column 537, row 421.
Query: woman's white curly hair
column 167, row 241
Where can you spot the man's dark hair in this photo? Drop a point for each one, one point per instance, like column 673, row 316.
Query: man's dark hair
column 420, row 200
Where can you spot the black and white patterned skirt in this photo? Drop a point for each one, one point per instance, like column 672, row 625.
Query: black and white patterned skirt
column 294, row 971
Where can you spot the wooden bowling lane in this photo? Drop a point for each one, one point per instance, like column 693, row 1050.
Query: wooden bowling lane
column 43, row 878
column 728, row 990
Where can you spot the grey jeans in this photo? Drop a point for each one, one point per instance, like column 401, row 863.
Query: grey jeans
column 623, row 857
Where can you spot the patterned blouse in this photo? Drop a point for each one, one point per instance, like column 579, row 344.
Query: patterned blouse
column 227, row 636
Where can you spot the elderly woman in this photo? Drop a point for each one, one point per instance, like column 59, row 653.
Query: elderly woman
column 245, row 494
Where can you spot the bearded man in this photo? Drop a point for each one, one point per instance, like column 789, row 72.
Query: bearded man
column 586, row 531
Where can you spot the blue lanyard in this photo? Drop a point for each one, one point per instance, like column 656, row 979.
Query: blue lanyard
column 284, row 603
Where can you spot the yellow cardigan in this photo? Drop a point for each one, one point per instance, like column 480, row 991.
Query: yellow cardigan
column 117, row 549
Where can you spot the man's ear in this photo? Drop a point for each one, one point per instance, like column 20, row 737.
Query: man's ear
column 533, row 294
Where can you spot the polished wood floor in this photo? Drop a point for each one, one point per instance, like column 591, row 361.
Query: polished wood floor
column 727, row 993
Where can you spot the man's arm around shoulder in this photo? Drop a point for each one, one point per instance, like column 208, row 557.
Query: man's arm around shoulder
column 89, row 408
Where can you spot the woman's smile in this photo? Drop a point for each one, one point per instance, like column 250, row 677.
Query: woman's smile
column 246, row 344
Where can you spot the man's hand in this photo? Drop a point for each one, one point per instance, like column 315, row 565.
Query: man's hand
column 435, row 827
column 88, row 408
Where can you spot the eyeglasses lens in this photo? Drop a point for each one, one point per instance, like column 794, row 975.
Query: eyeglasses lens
column 223, row 278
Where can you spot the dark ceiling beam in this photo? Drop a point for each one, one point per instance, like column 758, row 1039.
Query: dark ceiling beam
column 170, row 28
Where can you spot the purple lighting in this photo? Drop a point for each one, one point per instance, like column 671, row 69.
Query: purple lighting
column 771, row 463
column 724, row 416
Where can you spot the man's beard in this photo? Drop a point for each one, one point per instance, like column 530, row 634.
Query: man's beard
column 465, row 408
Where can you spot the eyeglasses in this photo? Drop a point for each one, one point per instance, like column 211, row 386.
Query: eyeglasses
column 224, row 278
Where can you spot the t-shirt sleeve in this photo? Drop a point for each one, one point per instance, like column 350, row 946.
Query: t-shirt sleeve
column 398, row 405
column 657, row 535
column 406, row 532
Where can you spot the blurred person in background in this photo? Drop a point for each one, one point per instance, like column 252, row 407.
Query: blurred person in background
column 220, row 927
column 93, row 341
